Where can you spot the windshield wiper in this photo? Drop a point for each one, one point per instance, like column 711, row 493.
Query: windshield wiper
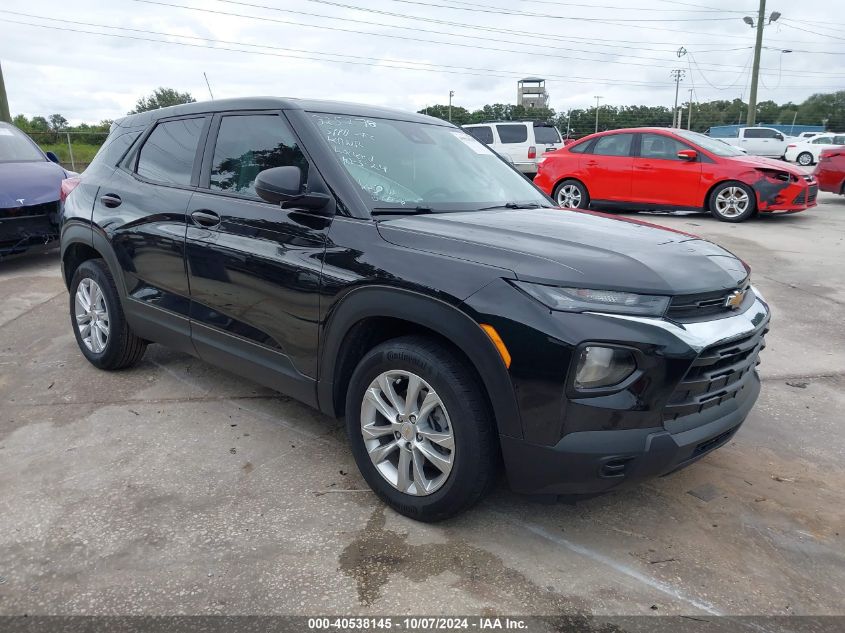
column 516, row 205
column 418, row 210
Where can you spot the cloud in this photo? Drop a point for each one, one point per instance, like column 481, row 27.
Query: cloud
column 89, row 77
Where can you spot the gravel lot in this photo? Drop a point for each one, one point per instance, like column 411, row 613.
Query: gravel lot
column 176, row 487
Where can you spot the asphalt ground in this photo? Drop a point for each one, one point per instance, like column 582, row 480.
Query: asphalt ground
column 176, row 487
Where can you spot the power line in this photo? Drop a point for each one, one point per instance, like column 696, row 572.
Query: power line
column 433, row 20
column 711, row 66
column 788, row 24
column 375, row 61
column 597, row 6
column 404, row 38
column 481, row 8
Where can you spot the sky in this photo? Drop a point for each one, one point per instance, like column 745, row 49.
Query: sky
column 409, row 53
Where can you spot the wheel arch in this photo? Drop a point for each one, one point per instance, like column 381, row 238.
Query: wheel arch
column 563, row 179
column 80, row 245
column 372, row 315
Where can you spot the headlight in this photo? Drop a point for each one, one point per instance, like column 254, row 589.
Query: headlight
column 587, row 300
column 603, row 367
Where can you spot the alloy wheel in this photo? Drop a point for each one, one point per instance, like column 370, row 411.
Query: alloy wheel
column 92, row 315
column 732, row 202
column 407, row 432
column 805, row 159
column 569, row 197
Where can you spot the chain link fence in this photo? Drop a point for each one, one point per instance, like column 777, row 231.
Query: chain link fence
column 75, row 149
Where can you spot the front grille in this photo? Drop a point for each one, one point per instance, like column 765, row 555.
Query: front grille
column 30, row 211
column 800, row 198
column 716, row 376
column 701, row 304
column 812, row 193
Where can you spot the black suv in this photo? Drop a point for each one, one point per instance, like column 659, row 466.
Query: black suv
column 387, row 267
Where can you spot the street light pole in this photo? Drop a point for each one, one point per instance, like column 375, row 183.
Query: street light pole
column 597, row 112
column 451, row 94
column 758, row 46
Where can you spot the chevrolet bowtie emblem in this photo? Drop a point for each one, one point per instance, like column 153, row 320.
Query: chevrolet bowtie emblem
column 734, row 300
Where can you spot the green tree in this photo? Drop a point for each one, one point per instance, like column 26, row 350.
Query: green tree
column 162, row 98
column 57, row 122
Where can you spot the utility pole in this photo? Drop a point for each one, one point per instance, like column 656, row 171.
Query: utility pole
column 689, row 114
column 758, row 46
column 451, row 94
column 678, row 75
column 211, row 94
column 568, row 121
column 5, row 115
column 597, row 112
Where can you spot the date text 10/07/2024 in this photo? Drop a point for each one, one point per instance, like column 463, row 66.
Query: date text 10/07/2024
column 416, row 623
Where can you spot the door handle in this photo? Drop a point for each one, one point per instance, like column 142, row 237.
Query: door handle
column 205, row 218
column 644, row 166
column 110, row 200
column 592, row 163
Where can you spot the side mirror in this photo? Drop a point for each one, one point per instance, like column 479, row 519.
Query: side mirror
column 283, row 186
column 779, row 137
column 52, row 157
column 688, row 155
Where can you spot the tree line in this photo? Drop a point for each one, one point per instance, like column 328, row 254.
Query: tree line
column 827, row 109
column 53, row 129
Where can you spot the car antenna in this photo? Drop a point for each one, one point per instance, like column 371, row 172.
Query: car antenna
column 208, row 84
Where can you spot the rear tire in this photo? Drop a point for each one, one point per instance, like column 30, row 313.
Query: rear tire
column 732, row 201
column 571, row 194
column 442, row 438
column 805, row 159
column 100, row 327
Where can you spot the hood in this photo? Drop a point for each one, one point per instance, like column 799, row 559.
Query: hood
column 771, row 163
column 32, row 182
column 578, row 248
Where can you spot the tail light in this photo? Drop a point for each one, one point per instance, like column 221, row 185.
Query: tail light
column 793, row 145
column 68, row 185
column 532, row 152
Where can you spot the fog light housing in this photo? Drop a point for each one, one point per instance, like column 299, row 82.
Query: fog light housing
column 600, row 366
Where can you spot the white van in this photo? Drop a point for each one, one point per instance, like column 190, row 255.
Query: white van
column 524, row 142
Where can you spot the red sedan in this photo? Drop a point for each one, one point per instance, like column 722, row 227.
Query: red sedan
column 669, row 169
column 830, row 172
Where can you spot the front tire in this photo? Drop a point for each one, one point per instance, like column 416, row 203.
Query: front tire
column 805, row 159
column 420, row 428
column 101, row 330
column 732, row 202
column 571, row 194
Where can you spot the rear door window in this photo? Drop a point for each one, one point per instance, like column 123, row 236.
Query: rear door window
column 249, row 144
column 512, row 133
column 759, row 133
column 483, row 133
column 546, row 135
column 613, row 145
column 823, row 140
column 168, row 154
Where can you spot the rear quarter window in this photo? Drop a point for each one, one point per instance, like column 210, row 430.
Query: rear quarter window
column 483, row 133
column 512, row 133
column 546, row 135
column 167, row 155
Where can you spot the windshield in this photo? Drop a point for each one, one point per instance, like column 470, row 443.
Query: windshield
column 712, row 145
column 546, row 134
column 400, row 164
column 16, row 147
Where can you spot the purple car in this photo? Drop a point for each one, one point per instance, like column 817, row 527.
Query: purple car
column 30, row 184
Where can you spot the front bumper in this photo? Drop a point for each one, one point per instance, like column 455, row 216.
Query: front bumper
column 703, row 412
column 792, row 197
column 17, row 234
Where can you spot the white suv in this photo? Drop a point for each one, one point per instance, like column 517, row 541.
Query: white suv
column 524, row 142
